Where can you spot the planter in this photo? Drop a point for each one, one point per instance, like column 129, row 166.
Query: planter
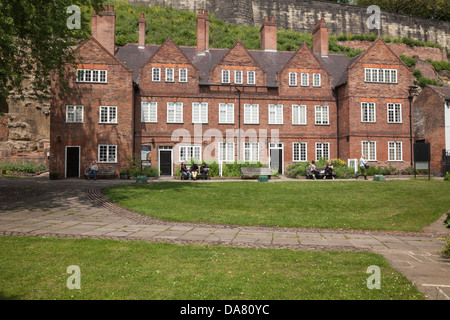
column 123, row 176
column 141, row 179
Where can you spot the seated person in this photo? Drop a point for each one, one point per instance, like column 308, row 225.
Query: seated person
column 314, row 170
column 204, row 170
column 328, row 170
column 185, row 174
column 194, row 171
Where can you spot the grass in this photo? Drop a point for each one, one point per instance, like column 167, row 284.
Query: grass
column 394, row 205
column 36, row 268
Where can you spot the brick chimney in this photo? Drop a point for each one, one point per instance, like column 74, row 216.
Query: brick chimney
column 202, row 32
column 103, row 28
column 320, row 38
column 268, row 33
column 142, row 31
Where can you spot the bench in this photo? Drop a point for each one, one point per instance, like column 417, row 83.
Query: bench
column 199, row 175
column 255, row 171
column 319, row 175
column 104, row 172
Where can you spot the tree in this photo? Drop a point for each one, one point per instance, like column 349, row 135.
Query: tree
column 427, row 9
column 37, row 37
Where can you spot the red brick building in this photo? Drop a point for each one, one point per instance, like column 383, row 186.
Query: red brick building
column 432, row 125
column 175, row 103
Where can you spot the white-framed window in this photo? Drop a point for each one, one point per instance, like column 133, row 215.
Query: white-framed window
column 238, row 76
column 170, row 77
column 316, row 80
column 298, row 114
column 226, row 112
column 380, row 75
column 183, row 75
column 367, row 111
column 369, row 149
column 251, row 113
column 251, row 151
column 292, row 79
column 304, row 79
column 299, row 151
column 107, row 153
column 226, row 151
column 108, row 114
column 187, row 153
column 149, row 111
column 92, row 75
column 322, row 115
column 199, row 112
column 322, row 150
column 251, row 77
column 275, row 114
column 156, row 74
column 74, row 113
column 174, row 112
column 395, row 151
column 394, row 111
column 225, row 76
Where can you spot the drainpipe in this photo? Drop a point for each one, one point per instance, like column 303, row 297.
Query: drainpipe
column 336, row 96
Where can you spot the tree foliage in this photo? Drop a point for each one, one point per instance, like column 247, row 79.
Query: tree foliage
column 35, row 40
column 427, row 9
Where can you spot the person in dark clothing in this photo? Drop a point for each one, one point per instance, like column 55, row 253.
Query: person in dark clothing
column 314, row 170
column 328, row 170
column 185, row 174
column 194, row 171
column 204, row 170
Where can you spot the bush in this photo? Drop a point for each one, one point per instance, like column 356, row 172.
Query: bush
column 447, row 176
column 409, row 61
column 233, row 169
column 446, row 250
column 24, row 167
column 297, row 169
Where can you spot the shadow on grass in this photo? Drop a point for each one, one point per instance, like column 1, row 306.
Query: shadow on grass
column 4, row 296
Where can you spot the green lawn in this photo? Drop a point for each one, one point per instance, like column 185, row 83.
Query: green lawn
column 366, row 205
column 36, row 268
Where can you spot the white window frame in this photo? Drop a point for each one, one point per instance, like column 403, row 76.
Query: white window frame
column 366, row 111
column 188, row 152
column 380, row 75
column 183, row 75
column 302, row 151
column 251, row 77
column 393, row 151
column 250, row 150
column 170, row 75
column 75, row 113
column 226, row 151
column 250, row 116
column 177, row 108
column 396, row 113
column 304, row 79
column 369, row 149
column 156, row 74
column 275, row 114
column 108, row 151
column 109, row 119
column 299, row 109
column 228, row 110
column 225, row 76
column 320, row 150
column 87, row 75
column 292, row 79
column 199, row 112
column 149, row 111
column 238, row 76
column 322, row 115
column 317, row 81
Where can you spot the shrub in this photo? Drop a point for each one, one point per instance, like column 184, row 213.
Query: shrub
column 24, row 167
column 409, row 61
column 344, row 172
column 297, row 169
column 446, row 250
column 447, row 176
column 233, row 169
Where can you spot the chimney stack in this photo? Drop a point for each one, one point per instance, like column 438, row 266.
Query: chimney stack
column 202, row 32
column 103, row 28
column 268, row 33
column 142, row 31
column 320, row 38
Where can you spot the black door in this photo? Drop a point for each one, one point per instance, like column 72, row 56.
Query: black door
column 165, row 162
column 73, row 162
column 276, row 159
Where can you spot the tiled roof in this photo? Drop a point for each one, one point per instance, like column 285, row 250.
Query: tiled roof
column 443, row 91
column 271, row 62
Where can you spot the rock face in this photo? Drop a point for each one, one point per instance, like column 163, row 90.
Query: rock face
column 299, row 15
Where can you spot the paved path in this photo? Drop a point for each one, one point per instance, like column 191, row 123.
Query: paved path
column 77, row 209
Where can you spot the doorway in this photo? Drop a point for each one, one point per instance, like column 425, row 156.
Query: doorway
column 165, row 161
column 72, row 162
column 276, row 156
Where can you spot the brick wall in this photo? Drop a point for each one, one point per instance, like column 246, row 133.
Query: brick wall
column 3, row 127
